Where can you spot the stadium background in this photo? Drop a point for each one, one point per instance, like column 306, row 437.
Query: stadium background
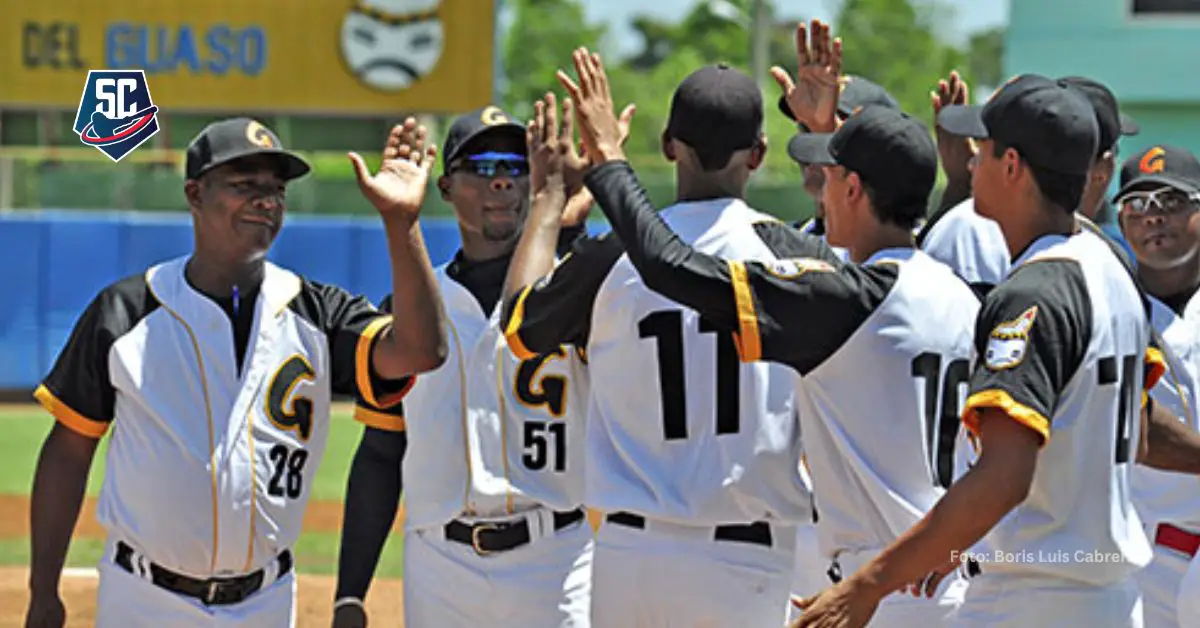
column 71, row 221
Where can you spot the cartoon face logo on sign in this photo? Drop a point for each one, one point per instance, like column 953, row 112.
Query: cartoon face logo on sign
column 115, row 112
column 391, row 44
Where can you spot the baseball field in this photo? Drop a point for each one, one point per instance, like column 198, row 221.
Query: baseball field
column 25, row 426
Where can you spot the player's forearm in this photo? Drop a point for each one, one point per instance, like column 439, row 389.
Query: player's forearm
column 665, row 262
column 972, row 507
column 537, row 249
column 372, row 499
column 1170, row 445
column 417, row 342
column 58, row 488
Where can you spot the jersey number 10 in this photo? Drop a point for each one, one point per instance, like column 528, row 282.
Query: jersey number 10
column 943, row 411
column 666, row 328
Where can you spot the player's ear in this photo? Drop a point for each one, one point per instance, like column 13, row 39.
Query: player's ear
column 443, row 185
column 668, row 147
column 758, row 154
column 192, row 192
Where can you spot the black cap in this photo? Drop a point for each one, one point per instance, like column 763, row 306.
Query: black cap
column 1051, row 124
column 856, row 92
column 234, row 138
column 1164, row 165
column 716, row 109
column 1113, row 123
column 892, row 152
column 490, row 119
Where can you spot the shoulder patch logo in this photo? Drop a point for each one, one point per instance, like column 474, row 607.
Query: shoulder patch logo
column 1008, row 341
column 792, row 268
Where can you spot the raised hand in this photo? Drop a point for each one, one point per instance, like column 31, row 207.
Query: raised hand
column 579, row 204
column 956, row 152
column 599, row 127
column 398, row 189
column 554, row 162
column 45, row 611
column 813, row 94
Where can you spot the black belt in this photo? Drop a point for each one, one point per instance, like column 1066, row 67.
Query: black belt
column 755, row 533
column 486, row 537
column 213, row 591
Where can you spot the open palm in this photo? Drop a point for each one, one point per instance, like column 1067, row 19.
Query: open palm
column 397, row 190
column 813, row 94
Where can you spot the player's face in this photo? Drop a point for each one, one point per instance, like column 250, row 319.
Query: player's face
column 242, row 207
column 490, row 201
column 1162, row 226
column 987, row 180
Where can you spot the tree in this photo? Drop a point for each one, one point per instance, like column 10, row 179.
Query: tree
column 897, row 44
column 539, row 42
column 985, row 57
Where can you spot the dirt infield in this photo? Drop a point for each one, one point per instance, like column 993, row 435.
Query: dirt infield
column 315, row 597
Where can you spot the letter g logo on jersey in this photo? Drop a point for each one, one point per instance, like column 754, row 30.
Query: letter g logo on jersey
column 285, row 411
column 1008, row 341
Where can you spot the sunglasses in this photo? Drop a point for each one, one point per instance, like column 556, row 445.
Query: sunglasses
column 1166, row 200
column 492, row 165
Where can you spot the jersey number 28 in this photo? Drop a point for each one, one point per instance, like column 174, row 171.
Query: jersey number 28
column 666, row 328
column 942, row 411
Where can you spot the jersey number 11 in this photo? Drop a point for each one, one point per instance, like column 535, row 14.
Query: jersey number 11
column 666, row 328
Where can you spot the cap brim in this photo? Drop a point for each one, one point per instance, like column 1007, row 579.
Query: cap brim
column 964, row 121
column 1129, row 126
column 294, row 166
column 811, row 149
column 1160, row 179
column 510, row 127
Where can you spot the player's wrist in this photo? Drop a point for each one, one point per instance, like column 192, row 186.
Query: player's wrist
column 348, row 600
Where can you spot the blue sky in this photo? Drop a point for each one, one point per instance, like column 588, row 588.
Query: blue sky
column 970, row 15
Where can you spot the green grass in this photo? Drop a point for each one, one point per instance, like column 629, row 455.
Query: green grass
column 316, row 552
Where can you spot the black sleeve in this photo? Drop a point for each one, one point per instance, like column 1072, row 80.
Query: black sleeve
column 352, row 326
column 372, row 501
column 1031, row 337
column 78, row 391
column 557, row 309
column 812, row 291
column 568, row 237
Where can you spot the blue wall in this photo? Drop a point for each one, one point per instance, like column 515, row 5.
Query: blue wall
column 56, row 261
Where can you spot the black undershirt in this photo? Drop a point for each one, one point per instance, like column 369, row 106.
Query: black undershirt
column 485, row 279
column 242, row 320
column 1178, row 302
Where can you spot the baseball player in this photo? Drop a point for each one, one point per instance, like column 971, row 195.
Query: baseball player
column 895, row 316
column 494, row 531
column 217, row 369
column 1063, row 349
column 973, row 245
column 693, row 457
column 1188, row 610
column 856, row 92
column 1158, row 202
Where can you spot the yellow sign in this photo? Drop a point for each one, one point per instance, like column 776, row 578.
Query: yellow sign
column 348, row 57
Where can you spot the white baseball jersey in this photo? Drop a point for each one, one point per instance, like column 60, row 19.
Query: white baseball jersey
column 490, row 434
column 1161, row 495
column 678, row 429
column 971, row 245
column 897, row 328
column 209, row 470
column 1063, row 348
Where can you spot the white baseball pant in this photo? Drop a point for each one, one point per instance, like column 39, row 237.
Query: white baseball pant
column 125, row 600
column 1187, row 607
column 544, row 584
column 999, row 600
column 809, row 576
column 667, row 575
column 901, row 610
column 1160, row 584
